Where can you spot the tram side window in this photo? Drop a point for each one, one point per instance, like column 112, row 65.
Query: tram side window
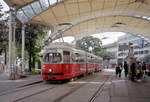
column 75, row 57
column 89, row 59
column 66, row 55
column 81, row 58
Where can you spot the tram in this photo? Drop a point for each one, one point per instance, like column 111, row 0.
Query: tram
column 62, row 61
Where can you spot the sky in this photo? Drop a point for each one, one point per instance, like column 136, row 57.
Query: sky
column 110, row 37
column 106, row 38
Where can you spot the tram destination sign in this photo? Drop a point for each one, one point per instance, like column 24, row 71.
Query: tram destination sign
column 51, row 50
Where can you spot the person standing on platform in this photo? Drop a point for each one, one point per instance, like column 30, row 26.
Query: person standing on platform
column 117, row 70
column 120, row 70
column 133, row 71
column 138, row 70
column 125, row 69
column 144, row 69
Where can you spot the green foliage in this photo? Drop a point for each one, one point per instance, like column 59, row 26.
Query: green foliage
column 38, row 60
column 105, row 55
column 89, row 42
column 33, row 70
column 3, row 36
column 34, row 41
column 95, row 44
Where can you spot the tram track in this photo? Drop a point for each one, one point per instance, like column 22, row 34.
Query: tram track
column 21, row 88
column 68, row 93
column 71, row 92
column 100, row 89
column 29, row 87
column 74, row 87
column 39, row 92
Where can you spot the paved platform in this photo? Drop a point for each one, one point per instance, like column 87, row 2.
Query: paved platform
column 123, row 90
column 6, row 84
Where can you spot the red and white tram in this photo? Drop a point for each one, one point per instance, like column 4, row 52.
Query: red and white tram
column 61, row 61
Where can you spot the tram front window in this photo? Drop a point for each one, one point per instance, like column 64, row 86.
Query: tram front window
column 52, row 58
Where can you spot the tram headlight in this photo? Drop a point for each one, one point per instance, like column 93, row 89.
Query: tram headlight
column 50, row 70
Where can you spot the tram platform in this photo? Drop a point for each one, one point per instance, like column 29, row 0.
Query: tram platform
column 6, row 84
column 123, row 90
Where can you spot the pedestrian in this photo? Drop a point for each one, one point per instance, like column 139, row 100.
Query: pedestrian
column 138, row 73
column 138, row 70
column 133, row 71
column 143, row 69
column 120, row 70
column 125, row 69
column 117, row 70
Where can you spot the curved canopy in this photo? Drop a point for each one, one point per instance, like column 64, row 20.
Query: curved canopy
column 79, row 18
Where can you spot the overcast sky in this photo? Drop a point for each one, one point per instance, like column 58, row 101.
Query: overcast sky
column 106, row 38
column 110, row 37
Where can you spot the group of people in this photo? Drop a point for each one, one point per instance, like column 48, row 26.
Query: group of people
column 137, row 70
column 119, row 69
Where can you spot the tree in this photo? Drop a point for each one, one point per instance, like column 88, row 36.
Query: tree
column 105, row 55
column 3, row 34
column 89, row 44
column 34, row 36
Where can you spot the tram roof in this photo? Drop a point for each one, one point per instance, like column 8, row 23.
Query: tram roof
column 59, row 45
column 80, row 18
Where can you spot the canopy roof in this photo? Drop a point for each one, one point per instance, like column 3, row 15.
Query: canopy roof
column 80, row 18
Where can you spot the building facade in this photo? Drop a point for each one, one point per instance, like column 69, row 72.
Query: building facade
column 141, row 47
column 111, row 48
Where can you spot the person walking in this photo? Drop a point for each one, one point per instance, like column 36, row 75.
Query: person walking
column 143, row 69
column 133, row 71
column 120, row 70
column 138, row 70
column 138, row 73
column 125, row 69
column 117, row 70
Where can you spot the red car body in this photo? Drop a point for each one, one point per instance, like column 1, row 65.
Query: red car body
column 64, row 62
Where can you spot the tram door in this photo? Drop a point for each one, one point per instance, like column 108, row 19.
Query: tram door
column 66, row 57
column 66, row 61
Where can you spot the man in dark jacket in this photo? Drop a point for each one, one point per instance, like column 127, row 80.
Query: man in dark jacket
column 125, row 69
column 133, row 71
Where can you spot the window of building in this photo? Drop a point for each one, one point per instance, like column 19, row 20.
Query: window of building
column 140, row 52
column 146, row 52
column 136, row 47
column 135, row 53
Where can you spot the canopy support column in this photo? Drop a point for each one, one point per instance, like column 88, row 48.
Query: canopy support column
column 23, row 49
column 10, row 64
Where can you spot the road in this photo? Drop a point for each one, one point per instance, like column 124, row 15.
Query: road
column 99, row 87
